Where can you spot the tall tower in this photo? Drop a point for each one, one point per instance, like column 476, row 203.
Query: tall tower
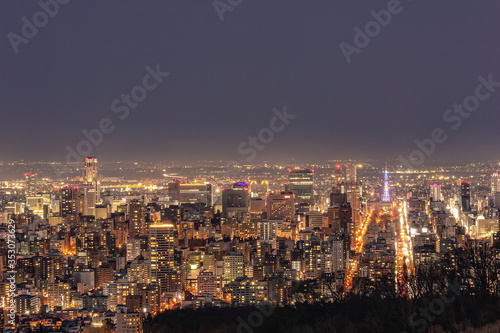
column 338, row 195
column 495, row 184
column 30, row 184
column 465, row 191
column 161, row 240
column 137, row 219
column 350, row 173
column 386, row 197
column 436, row 192
column 91, row 177
column 90, row 170
column 68, row 197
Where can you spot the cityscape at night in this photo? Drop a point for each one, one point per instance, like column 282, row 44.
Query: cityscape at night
column 234, row 166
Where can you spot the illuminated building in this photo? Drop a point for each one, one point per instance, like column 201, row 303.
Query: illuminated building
column 87, row 243
column 161, row 240
column 495, row 184
column 338, row 196
column 139, row 271
column 350, row 173
column 465, row 194
column 133, row 248
column 137, row 218
column 91, row 176
column 268, row 229
column 233, row 266
column 59, row 294
column 68, row 198
column 26, row 304
column 244, row 293
column 31, row 182
column 301, row 183
column 209, row 284
column 281, row 207
column 103, row 274
column 90, row 170
column 235, row 202
column 128, row 322
column 314, row 219
column 259, row 190
column 196, row 193
column 386, row 197
column 435, row 192
column 86, row 201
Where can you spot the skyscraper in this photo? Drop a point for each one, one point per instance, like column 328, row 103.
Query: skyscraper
column 90, row 170
column 137, row 218
column 338, row 196
column 386, row 196
column 161, row 238
column 86, row 199
column 301, row 183
column 465, row 192
column 435, row 192
column 67, row 202
column 91, row 177
column 350, row 173
column 495, row 184
column 30, row 184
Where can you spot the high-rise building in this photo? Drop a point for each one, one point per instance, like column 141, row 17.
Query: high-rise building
column 301, row 183
column 235, row 201
column 338, row 196
column 436, row 192
column 91, row 176
column 495, row 184
column 386, row 197
column 67, row 200
column 86, row 199
column 350, row 173
column 161, row 239
column 465, row 192
column 31, row 183
column 281, row 207
column 355, row 200
column 137, row 219
column 90, row 170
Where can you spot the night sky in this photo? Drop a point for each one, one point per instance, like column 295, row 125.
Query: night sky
column 226, row 78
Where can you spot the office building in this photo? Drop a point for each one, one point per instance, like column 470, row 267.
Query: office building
column 161, row 238
column 281, row 207
column 301, row 183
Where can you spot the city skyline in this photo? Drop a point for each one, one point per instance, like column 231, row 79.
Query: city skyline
column 248, row 166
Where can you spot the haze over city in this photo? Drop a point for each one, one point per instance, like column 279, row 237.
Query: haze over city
column 226, row 77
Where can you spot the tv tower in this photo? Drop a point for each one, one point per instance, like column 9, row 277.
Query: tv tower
column 386, row 197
